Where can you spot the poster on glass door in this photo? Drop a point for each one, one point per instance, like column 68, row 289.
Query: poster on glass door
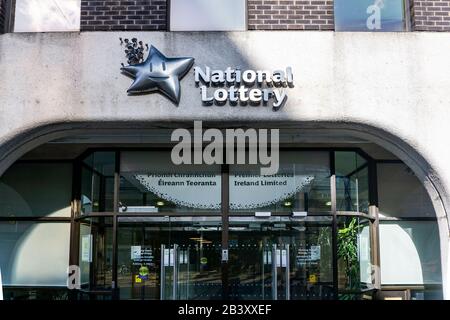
column 200, row 186
column 203, row 191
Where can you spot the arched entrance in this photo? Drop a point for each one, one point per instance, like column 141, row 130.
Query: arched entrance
column 328, row 139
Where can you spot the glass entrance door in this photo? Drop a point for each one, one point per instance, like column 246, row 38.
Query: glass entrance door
column 169, row 258
column 280, row 258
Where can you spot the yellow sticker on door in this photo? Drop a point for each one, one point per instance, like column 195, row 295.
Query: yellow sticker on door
column 312, row 278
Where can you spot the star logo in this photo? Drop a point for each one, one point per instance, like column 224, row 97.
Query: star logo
column 158, row 73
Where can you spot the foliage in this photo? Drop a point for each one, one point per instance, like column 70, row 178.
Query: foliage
column 348, row 252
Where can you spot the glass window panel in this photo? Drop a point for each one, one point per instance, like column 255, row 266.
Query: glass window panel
column 34, row 254
column 281, row 258
column 176, row 258
column 95, row 256
column 85, row 266
column 101, row 162
column 301, row 184
column 354, row 256
column 364, row 254
column 352, row 182
column 410, row 253
column 97, row 182
column 208, row 15
column 370, row 15
column 400, row 192
column 47, row 15
column 429, row 292
column 150, row 182
column 36, row 189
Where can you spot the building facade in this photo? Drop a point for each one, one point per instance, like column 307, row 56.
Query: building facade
column 92, row 205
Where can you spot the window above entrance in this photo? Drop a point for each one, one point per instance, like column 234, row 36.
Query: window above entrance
column 150, row 182
column 301, row 184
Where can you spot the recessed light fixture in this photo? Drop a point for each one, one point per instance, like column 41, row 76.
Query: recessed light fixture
column 328, row 203
column 160, row 203
column 287, row 203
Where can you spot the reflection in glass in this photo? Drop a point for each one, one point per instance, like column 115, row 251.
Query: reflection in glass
column 97, row 182
column 95, row 256
column 169, row 258
column 410, row 253
column 352, row 182
column 354, row 257
column 34, row 254
column 280, row 258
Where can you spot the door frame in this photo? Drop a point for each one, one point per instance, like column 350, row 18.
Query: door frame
column 225, row 214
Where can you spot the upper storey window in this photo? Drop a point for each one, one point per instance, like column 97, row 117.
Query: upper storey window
column 47, row 15
column 208, row 15
column 371, row 15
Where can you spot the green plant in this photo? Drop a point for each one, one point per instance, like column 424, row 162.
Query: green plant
column 348, row 253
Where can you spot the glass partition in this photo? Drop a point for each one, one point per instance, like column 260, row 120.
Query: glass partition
column 169, row 258
column 281, row 258
column 97, row 182
column 169, row 229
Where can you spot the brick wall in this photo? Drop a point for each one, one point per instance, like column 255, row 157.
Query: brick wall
column 104, row 15
column 431, row 15
column 123, row 15
column 290, row 15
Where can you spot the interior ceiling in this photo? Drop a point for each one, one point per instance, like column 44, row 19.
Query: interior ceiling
column 72, row 147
